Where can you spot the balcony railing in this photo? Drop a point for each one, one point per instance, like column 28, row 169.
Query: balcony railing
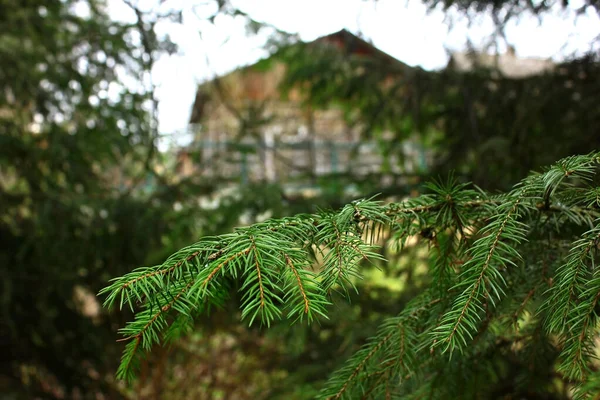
column 298, row 161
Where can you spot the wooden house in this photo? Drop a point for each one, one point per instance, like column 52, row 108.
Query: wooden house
column 244, row 125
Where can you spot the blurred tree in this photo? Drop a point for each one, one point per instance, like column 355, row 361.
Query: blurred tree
column 80, row 196
column 70, row 133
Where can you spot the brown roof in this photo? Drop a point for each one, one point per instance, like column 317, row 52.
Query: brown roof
column 355, row 45
column 343, row 40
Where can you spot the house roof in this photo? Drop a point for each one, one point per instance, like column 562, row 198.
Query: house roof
column 344, row 40
column 353, row 44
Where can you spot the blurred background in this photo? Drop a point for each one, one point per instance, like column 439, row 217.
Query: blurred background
column 130, row 128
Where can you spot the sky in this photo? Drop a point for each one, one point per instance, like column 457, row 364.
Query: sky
column 404, row 29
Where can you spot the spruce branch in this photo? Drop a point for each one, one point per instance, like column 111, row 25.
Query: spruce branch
column 480, row 283
column 272, row 260
column 570, row 306
column 481, row 278
column 570, row 281
column 393, row 350
column 144, row 331
column 305, row 300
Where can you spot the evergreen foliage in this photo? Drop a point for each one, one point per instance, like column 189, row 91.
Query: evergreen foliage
column 511, row 296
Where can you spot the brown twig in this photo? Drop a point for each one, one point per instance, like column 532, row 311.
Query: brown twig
column 300, row 286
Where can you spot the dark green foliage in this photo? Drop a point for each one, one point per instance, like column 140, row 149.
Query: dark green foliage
column 60, row 135
column 510, row 302
column 79, row 201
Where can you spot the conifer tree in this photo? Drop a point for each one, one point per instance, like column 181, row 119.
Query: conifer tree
column 511, row 297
